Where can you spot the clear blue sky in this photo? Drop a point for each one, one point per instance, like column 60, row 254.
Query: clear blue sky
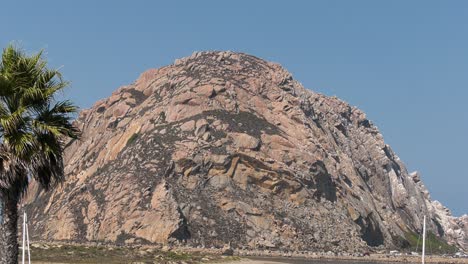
column 405, row 63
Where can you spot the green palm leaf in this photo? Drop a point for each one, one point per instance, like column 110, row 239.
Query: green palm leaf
column 33, row 124
column 33, row 127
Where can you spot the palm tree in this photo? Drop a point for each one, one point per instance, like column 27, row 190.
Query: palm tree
column 34, row 126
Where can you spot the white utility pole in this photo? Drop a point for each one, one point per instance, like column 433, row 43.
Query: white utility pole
column 25, row 239
column 424, row 240
column 24, row 235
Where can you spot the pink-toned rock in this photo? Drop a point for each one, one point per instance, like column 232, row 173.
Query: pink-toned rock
column 145, row 79
column 244, row 141
column 205, row 90
column 120, row 110
column 224, row 147
column 277, row 141
column 188, row 126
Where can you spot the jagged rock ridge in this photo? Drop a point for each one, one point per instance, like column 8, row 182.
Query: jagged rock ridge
column 223, row 147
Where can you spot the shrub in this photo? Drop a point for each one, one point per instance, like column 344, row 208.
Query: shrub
column 132, row 139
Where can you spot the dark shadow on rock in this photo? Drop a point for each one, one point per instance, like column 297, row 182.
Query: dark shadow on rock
column 370, row 231
column 325, row 187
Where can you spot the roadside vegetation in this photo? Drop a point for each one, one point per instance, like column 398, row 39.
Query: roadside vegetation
column 434, row 244
column 113, row 255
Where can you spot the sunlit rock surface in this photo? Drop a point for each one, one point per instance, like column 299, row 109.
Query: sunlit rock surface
column 224, row 147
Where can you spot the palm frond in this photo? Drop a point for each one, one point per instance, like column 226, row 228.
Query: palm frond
column 33, row 124
column 48, row 164
column 12, row 122
column 57, row 120
column 13, row 173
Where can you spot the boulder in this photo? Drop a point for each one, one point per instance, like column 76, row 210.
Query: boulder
column 244, row 141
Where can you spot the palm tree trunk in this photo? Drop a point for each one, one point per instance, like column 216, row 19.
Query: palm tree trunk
column 9, row 230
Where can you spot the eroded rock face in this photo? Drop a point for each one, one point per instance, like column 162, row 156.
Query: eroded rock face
column 224, row 147
column 452, row 228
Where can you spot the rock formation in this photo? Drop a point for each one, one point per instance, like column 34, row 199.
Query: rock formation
column 223, row 147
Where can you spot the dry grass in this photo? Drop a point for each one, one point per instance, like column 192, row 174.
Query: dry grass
column 76, row 254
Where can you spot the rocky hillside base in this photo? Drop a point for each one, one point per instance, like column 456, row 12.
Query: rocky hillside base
column 225, row 148
column 45, row 253
column 76, row 254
